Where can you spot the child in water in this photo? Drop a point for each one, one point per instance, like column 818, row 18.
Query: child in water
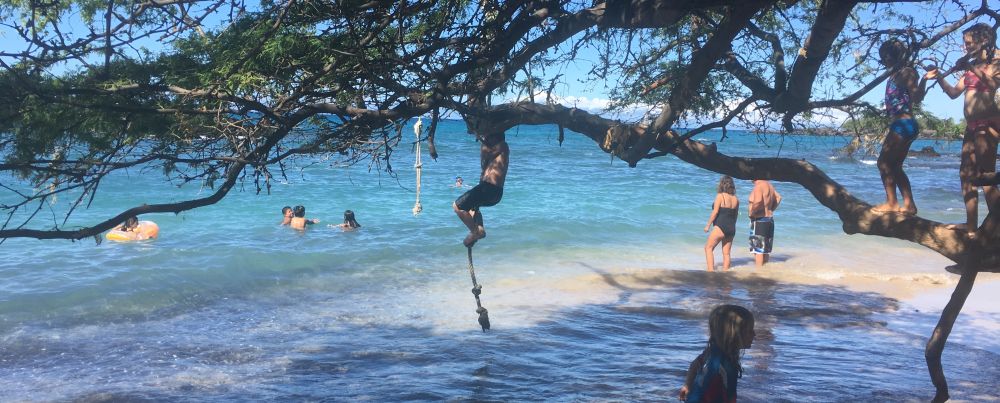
column 133, row 230
column 131, row 224
column 286, row 215
column 903, row 90
column 713, row 375
column 350, row 223
column 299, row 219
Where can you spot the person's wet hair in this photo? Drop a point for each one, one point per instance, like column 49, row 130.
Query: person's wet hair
column 299, row 211
column 726, row 185
column 285, row 210
column 349, row 220
column 131, row 223
column 726, row 326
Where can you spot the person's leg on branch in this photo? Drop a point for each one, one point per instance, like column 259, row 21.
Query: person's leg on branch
column 902, row 180
column 886, row 168
column 986, row 157
column 970, row 196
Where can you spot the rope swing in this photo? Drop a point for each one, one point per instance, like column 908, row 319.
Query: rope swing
column 417, row 208
column 484, row 317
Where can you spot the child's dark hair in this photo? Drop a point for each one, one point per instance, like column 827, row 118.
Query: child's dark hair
column 726, row 326
column 985, row 35
column 131, row 223
column 895, row 49
column 299, row 211
column 349, row 220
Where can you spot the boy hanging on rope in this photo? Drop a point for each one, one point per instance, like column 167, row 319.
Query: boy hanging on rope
column 494, row 158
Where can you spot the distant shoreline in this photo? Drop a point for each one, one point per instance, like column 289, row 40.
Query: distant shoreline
column 832, row 132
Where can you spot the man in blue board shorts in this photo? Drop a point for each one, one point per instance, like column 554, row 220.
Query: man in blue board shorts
column 763, row 201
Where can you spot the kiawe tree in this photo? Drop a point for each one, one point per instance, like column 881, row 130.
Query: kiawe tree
column 234, row 93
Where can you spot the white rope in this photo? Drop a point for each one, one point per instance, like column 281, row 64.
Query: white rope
column 417, row 208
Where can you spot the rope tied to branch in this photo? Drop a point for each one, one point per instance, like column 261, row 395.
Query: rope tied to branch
column 417, row 207
column 484, row 318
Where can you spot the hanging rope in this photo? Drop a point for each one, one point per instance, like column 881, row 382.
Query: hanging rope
column 417, row 208
column 484, row 317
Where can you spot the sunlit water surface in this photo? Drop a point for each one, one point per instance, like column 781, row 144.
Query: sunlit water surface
column 592, row 273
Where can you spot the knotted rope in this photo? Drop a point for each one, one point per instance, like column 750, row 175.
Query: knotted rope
column 484, row 317
column 417, row 208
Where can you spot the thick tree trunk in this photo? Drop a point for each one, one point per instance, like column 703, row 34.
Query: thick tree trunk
column 935, row 346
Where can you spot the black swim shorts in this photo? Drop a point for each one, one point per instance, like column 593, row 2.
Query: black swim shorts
column 761, row 235
column 483, row 195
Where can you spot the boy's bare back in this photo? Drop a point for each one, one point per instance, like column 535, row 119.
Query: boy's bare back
column 495, row 158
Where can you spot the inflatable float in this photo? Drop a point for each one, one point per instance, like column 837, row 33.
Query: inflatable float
column 145, row 230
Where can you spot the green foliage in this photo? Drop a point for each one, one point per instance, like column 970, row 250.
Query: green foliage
column 871, row 123
column 941, row 128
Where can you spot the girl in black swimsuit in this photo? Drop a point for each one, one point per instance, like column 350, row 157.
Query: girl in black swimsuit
column 722, row 223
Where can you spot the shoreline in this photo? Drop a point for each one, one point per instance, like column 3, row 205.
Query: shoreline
column 920, row 293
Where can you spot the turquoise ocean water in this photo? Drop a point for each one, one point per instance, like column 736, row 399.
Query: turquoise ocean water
column 228, row 306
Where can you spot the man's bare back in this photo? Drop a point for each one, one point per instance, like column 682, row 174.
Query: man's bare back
column 763, row 200
column 494, row 159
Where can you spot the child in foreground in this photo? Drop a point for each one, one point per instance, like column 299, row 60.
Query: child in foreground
column 713, row 375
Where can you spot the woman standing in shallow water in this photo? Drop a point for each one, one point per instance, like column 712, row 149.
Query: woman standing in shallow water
column 721, row 226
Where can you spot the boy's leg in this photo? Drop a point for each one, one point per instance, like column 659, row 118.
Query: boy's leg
column 466, row 217
column 480, row 229
column 475, row 234
column 473, row 219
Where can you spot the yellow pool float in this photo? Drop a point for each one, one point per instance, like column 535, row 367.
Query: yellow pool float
column 145, row 230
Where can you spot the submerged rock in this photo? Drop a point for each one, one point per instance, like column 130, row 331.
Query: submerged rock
column 927, row 151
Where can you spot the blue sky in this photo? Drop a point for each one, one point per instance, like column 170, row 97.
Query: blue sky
column 594, row 95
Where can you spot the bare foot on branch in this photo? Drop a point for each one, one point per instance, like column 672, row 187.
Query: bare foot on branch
column 886, row 208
